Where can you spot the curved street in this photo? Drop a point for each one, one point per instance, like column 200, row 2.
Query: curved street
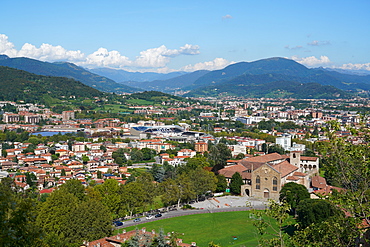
column 212, row 205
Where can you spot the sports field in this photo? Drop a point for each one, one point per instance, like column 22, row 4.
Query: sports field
column 226, row 229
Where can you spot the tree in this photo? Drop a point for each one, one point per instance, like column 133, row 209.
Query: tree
column 74, row 187
column 221, row 184
column 132, row 197
column 63, row 173
column 240, row 156
column 103, row 148
column 130, row 179
column 85, row 159
column 169, row 171
column 54, row 215
column 66, row 220
column 236, row 183
column 157, row 172
column 270, row 224
column 30, row 178
column 136, row 155
column 311, row 211
column 148, row 153
column 17, row 217
column 202, row 181
column 338, row 231
column 198, row 161
column 177, row 190
column 119, row 156
column 275, row 149
column 219, row 154
column 160, row 239
column 91, row 220
column 110, row 195
column 293, row 194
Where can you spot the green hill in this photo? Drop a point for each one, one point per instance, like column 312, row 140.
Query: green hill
column 69, row 70
column 17, row 85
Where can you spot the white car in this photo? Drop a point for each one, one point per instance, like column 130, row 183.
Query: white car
column 148, row 217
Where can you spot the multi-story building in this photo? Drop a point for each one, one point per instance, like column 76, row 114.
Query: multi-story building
column 31, row 118
column 201, row 147
column 68, row 115
column 10, row 117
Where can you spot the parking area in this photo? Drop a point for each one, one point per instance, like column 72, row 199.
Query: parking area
column 229, row 202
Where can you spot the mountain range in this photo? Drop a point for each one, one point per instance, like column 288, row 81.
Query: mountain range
column 120, row 75
column 64, row 69
column 275, row 77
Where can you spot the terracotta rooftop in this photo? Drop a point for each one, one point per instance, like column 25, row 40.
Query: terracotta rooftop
column 318, row 182
column 229, row 171
column 328, row 190
column 285, row 168
column 309, row 158
column 294, row 178
column 266, row 158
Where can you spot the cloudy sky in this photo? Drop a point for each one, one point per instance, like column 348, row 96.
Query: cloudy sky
column 164, row 36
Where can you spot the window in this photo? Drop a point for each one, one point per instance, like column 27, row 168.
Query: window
column 274, row 184
column 258, row 183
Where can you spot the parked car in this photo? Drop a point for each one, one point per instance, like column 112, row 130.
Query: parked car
column 148, row 217
column 118, row 223
column 137, row 220
column 158, row 215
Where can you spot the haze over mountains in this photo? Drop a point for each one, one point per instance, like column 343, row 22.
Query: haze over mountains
column 272, row 77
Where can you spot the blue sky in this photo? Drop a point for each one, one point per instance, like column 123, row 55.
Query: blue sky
column 164, row 36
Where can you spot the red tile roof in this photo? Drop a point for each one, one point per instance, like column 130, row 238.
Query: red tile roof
column 285, row 168
column 318, row 182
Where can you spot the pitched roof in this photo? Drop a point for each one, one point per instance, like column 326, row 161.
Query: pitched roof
column 229, row 171
column 318, row 182
column 265, row 158
column 300, row 174
column 285, row 168
column 328, row 190
column 294, row 178
column 309, row 158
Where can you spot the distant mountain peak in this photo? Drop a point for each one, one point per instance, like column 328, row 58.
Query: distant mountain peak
column 3, row 57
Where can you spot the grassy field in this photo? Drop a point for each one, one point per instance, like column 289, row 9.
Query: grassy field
column 204, row 228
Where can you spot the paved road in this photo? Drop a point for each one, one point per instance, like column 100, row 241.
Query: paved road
column 141, row 165
column 213, row 205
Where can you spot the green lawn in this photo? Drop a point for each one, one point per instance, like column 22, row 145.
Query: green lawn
column 204, row 228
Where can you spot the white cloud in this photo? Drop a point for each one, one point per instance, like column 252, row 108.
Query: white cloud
column 7, row 47
column 189, row 50
column 104, row 58
column 160, row 57
column 356, row 66
column 297, row 47
column 150, row 59
column 217, row 63
column 312, row 61
column 48, row 52
column 226, row 17
column 318, row 43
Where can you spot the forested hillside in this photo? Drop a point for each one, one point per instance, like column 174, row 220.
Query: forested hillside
column 17, row 85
